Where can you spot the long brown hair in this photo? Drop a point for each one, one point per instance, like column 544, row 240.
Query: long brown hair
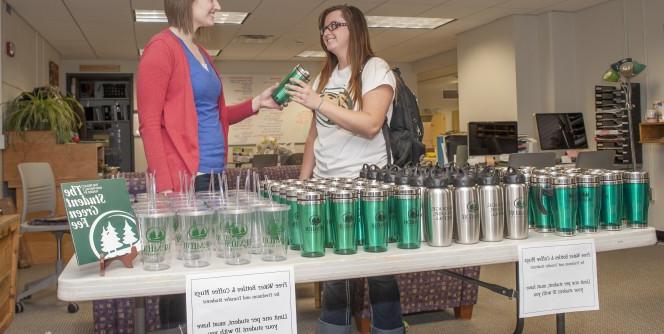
column 359, row 49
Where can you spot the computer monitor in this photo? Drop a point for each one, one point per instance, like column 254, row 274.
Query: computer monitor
column 492, row 138
column 561, row 131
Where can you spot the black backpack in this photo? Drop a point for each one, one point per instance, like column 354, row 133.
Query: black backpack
column 403, row 136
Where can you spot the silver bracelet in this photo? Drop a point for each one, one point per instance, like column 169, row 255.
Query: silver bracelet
column 319, row 105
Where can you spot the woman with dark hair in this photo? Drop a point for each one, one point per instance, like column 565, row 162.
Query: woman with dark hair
column 351, row 99
column 183, row 116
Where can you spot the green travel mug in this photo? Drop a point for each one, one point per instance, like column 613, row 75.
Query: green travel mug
column 612, row 196
column 637, row 196
column 283, row 193
column 280, row 94
column 392, row 222
column 540, row 185
column 408, row 210
column 329, row 233
column 564, row 205
column 294, row 232
column 275, row 191
column 343, row 222
column 310, row 210
column 375, row 211
column 359, row 219
column 590, row 201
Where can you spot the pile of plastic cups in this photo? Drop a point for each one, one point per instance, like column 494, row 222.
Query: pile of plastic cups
column 193, row 227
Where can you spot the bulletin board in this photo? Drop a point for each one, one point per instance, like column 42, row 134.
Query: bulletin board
column 288, row 126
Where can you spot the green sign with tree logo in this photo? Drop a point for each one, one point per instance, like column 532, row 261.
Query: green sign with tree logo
column 101, row 219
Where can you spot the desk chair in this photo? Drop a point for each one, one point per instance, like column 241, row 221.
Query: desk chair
column 38, row 184
column 538, row 160
column 595, row 159
column 264, row 160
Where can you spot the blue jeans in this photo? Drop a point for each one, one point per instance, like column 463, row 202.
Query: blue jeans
column 385, row 306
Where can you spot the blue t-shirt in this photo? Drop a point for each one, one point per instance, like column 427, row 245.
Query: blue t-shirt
column 207, row 88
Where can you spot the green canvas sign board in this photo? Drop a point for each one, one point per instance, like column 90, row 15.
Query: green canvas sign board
column 101, row 219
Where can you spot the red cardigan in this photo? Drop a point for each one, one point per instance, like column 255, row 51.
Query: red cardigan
column 167, row 112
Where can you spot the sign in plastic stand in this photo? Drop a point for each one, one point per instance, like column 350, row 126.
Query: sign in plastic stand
column 101, row 219
column 557, row 277
column 260, row 300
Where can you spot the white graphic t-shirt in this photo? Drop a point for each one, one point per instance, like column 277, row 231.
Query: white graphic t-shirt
column 339, row 152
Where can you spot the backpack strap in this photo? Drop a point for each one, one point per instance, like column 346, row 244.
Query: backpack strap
column 388, row 145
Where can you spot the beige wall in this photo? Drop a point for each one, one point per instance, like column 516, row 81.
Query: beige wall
column 29, row 67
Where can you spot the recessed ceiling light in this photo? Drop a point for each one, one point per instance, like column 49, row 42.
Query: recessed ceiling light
column 312, row 54
column 146, row 15
column 406, row 22
column 212, row 53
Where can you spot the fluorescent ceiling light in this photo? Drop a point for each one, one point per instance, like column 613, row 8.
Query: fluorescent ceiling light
column 212, row 53
column 406, row 22
column 145, row 15
column 312, row 54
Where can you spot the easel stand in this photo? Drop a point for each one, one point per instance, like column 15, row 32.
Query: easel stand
column 127, row 260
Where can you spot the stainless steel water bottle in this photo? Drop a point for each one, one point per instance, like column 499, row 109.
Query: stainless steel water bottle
column 564, row 205
column 590, row 200
column 439, row 211
column 417, row 181
column 374, row 209
column 637, row 196
column 466, row 210
column 491, row 205
column 540, row 187
column 516, row 204
column 611, row 215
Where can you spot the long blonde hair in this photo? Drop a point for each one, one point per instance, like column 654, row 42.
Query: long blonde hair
column 359, row 50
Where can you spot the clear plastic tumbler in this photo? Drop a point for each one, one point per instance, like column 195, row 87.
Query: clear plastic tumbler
column 196, row 229
column 155, row 230
column 274, row 220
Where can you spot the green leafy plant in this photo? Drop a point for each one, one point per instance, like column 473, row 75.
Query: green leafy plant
column 43, row 109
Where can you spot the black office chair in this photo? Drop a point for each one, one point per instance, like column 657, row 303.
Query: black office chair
column 264, row 160
column 596, row 159
column 538, row 160
column 294, row 159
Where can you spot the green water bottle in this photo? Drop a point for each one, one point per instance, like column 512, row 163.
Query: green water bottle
column 637, row 196
column 590, row 202
column 612, row 196
column 310, row 210
column 375, row 219
column 392, row 222
column 343, row 222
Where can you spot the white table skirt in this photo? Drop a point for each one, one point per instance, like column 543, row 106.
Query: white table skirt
column 79, row 283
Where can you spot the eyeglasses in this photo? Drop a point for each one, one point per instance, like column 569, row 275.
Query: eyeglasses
column 333, row 26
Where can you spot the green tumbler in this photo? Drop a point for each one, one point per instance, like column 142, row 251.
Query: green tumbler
column 326, row 190
column 637, row 196
column 375, row 218
column 408, row 208
column 280, row 94
column 359, row 223
column 294, row 232
column 540, row 184
column 612, row 195
column 392, row 222
column 343, row 222
column 564, row 205
column 275, row 191
column 310, row 210
column 590, row 201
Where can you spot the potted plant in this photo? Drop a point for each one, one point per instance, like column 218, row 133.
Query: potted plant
column 45, row 109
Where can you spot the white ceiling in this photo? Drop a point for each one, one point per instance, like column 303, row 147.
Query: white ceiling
column 104, row 29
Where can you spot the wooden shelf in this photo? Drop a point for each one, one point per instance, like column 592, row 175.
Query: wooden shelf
column 651, row 133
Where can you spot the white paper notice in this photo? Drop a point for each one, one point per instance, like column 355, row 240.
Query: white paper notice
column 247, row 301
column 557, row 277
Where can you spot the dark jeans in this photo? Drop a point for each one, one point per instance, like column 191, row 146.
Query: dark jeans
column 173, row 308
column 385, row 306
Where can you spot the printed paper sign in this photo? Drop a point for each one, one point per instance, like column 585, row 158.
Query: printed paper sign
column 557, row 277
column 101, row 219
column 247, row 301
